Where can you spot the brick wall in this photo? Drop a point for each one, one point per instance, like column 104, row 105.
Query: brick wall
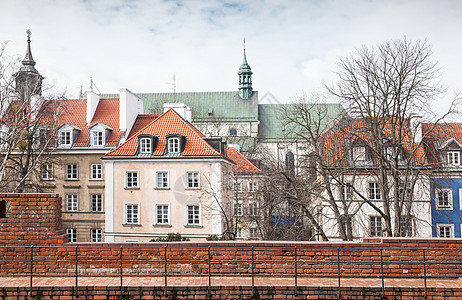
column 32, row 231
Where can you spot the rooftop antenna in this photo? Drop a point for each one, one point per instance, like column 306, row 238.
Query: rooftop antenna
column 81, row 92
column 93, row 84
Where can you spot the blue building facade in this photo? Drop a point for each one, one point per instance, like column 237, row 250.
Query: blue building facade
column 446, row 207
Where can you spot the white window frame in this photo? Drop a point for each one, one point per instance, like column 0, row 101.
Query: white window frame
column 135, row 216
column 96, row 202
column 451, row 230
column 72, row 202
column 162, row 182
column 196, row 215
column 375, row 189
column 453, row 158
column 173, row 145
column 450, row 199
column 193, row 180
column 253, row 186
column 253, row 233
column 346, row 191
column 96, row 235
column 71, row 235
column 460, row 204
column 253, row 209
column 47, row 170
column 72, row 172
column 145, row 145
column 132, row 183
column 165, row 218
column 377, row 218
column 65, row 137
column 238, row 233
column 411, row 224
column 237, row 187
column 97, row 138
column 238, row 211
column 96, row 171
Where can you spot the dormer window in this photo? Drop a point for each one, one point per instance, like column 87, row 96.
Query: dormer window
column 65, row 137
column 173, row 145
column 99, row 134
column 98, row 138
column 145, row 145
column 454, row 158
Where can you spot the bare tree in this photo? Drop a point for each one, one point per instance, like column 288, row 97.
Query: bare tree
column 28, row 123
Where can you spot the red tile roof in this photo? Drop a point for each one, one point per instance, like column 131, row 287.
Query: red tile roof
column 243, row 165
column 442, row 132
column 168, row 123
column 335, row 141
column 107, row 113
column 141, row 122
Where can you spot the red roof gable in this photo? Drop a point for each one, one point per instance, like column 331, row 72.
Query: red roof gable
column 441, row 132
column 141, row 122
column 243, row 165
column 168, row 123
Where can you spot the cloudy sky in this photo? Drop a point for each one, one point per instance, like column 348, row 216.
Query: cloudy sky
column 292, row 46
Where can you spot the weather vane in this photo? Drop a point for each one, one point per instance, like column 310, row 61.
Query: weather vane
column 28, row 34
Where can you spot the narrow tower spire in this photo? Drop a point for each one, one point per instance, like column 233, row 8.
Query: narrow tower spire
column 245, row 78
column 28, row 79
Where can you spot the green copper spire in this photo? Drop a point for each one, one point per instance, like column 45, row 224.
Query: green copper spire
column 245, row 78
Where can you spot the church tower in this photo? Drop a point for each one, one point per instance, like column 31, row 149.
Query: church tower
column 245, row 78
column 28, row 79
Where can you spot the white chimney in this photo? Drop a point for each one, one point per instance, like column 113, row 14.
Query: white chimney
column 416, row 127
column 130, row 106
column 92, row 104
column 234, row 146
column 182, row 109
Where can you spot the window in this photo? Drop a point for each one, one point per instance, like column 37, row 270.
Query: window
column 98, row 138
column 194, row 216
column 233, row 132
column 253, row 186
column 407, row 192
column 162, row 180
column 96, row 235
column 173, row 145
column 375, row 226
column 132, row 214
column 96, row 171
column 347, row 191
column 193, row 179
column 145, row 145
column 253, row 209
column 445, row 230
column 253, row 233
column 71, row 201
column 346, row 223
column 64, row 137
column 71, row 172
column 47, row 172
column 3, row 209
column 237, row 186
column 96, row 202
column 71, row 235
column 443, row 199
column 238, row 233
column 131, row 179
column 162, row 214
column 374, row 191
column 454, row 158
column 238, row 209
column 405, row 229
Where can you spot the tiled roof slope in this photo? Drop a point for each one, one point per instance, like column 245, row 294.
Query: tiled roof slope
column 107, row 113
column 432, row 132
column 206, row 106
column 335, row 141
column 168, row 123
column 141, row 122
column 272, row 122
column 243, row 165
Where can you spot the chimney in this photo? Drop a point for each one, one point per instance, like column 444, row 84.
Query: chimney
column 416, row 127
column 92, row 104
column 130, row 106
column 182, row 109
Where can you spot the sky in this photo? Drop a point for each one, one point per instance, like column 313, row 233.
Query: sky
column 292, row 46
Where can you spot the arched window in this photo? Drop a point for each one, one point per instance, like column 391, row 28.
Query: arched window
column 290, row 159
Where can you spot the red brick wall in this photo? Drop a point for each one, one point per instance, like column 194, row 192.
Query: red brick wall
column 35, row 220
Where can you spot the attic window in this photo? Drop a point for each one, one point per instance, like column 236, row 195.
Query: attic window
column 454, row 158
column 145, row 145
column 65, row 137
column 97, row 138
column 173, row 145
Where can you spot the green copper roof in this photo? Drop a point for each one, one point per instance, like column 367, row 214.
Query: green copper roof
column 274, row 128
column 206, row 106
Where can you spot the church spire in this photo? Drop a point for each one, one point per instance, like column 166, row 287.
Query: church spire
column 245, row 78
column 28, row 79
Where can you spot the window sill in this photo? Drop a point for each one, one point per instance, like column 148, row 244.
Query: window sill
column 161, row 188
column 47, row 179
column 132, row 188
column 71, row 186
column 71, row 179
column 193, row 226
column 131, row 225
column 192, row 188
column 95, row 179
column 444, row 208
column 162, row 225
